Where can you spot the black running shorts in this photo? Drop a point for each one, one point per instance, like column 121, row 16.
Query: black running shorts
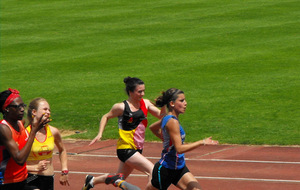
column 19, row 186
column 163, row 177
column 124, row 154
column 40, row 181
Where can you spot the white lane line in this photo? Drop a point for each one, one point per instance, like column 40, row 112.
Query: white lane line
column 249, row 179
column 249, row 161
column 198, row 177
column 193, row 159
column 222, row 150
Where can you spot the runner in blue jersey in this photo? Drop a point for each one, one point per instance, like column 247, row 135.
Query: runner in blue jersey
column 171, row 168
column 169, row 157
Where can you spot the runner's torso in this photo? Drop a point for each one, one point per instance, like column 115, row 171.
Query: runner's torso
column 132, row 126
column 42, row 150
column 169, row 157
column 10, row 171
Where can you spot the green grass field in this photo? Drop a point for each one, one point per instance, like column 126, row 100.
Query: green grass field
column 237, row 61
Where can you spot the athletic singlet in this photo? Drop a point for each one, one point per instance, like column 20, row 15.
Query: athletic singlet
column 41, row 150
column 10, row 171
column 132, row 126
column 169, row 157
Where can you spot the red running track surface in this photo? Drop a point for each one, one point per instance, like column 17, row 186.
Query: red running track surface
column 221, row 167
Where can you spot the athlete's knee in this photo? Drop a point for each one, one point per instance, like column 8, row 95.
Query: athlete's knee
column 193, row 185
column 150, row 187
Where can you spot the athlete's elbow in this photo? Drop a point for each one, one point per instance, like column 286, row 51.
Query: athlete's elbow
column 20, row 162
column 180, row 150
column 19, row 159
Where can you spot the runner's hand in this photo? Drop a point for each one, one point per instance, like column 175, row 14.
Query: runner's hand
column 209, row 141
column 39, row 123
column 63, row 180
column 95, row 140
column 43, row 165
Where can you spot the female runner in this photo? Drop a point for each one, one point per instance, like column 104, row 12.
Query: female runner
column 171, row 168
column 132, row 122
column 39, row 162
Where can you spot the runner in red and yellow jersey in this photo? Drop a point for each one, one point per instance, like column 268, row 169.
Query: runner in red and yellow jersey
column 132, row 122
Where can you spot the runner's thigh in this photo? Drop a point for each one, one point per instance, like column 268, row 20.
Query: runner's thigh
column 189, row 182
column 139, row 162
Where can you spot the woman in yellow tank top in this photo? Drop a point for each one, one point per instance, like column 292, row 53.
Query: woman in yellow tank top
column 39, row 162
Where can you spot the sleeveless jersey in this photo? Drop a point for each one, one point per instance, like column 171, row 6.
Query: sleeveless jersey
column 169, row 157
column 42, row 150
column 10, row 171
column 132, row 126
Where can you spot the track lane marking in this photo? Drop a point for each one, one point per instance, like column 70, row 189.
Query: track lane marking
column 199, row 177
column 194, row 159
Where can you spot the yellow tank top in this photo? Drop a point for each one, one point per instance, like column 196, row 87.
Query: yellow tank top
column 42, row 150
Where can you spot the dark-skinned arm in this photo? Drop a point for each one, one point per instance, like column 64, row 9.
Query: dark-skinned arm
column 20, row 156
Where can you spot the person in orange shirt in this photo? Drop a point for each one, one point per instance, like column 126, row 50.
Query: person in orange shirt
column 15, row 145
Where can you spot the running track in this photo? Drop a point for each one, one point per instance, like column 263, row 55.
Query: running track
column 222, row 167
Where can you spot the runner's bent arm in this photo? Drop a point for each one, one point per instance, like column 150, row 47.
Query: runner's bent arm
column 19, row 156
column 174, row 131
column 115, row 111
column 156, row 129
column 41, row 166
column 154, row 110
column 62, row 155
column 61, row 148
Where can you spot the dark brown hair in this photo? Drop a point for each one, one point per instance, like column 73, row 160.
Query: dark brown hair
column 131, row 84
column 168, row 96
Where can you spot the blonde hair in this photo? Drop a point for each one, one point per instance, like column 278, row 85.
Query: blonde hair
column 34, row 104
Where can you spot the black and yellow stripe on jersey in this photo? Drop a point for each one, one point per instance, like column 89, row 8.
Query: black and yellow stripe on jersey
column 132, row 126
